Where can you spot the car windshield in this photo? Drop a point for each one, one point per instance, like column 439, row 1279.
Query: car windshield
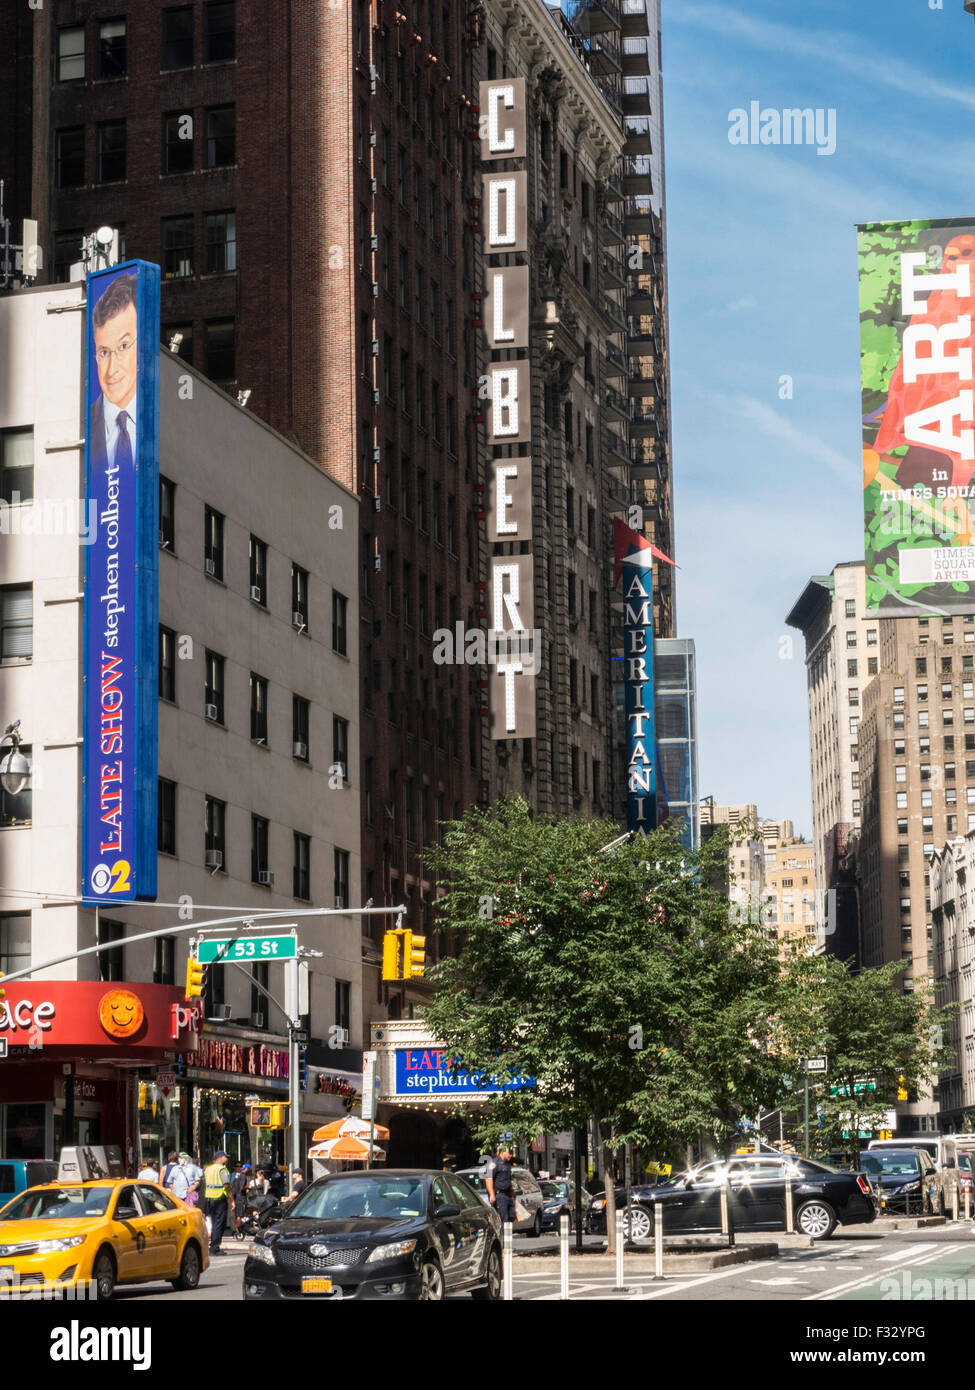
column 46, row 1202
column 559, row 1190
column 476, row 1181
column 965, row 1162
column 877, row 1163
column 349, row 1198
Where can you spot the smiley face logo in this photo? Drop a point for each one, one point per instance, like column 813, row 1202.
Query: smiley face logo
column 120, row 1013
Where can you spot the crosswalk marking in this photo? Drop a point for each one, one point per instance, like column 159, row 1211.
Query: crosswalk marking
column 915, row 1249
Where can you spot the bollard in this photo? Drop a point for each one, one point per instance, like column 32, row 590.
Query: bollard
column 954, row 1201
column 509, row 1273
column 727, row 1223
column 968, row 1202
column 620, row 1241
column 790, row 1226
column 564, row 1255
column 658, row 1240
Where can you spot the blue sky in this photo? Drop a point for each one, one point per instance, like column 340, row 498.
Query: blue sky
column 763, row 283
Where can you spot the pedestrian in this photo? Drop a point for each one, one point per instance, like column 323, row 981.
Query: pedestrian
column 216, row 1197
column 498, row 1183
column 148, row 1173
column 297, row 1188
column 194, row 1176
column 238, row 1188
column 172, row 1163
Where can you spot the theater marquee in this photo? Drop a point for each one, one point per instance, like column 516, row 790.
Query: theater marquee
column 507, row 317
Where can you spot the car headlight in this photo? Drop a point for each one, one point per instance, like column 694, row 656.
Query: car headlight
column 391, row 1251
column 599, row 1204
column 910, row 1187
column 264, row 1253
column 47, row 1247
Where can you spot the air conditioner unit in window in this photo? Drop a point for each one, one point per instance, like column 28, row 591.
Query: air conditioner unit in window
column 266, row 877
column 300, row 750
column 257, row 593
column 340, row 902
column 214, row 859
column 222, row 1012
column 212, row 712
column 210, row 566
column 340, row 1037
column 163, row 540
column 257, row 1020
column 298, row 620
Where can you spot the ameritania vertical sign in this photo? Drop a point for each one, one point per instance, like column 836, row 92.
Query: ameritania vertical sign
column 121, row 618
column 507, row 314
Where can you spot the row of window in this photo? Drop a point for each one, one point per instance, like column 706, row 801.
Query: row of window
column 178, row 237
column 215, row 846
column 178, row 147
column 434, row 409
column 110, row 57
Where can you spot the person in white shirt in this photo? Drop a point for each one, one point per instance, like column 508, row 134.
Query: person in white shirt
column 148, row 1173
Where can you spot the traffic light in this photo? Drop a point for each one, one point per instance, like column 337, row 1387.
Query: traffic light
column 276, row 1116
column 413, row 955
column 196, row 978
column 901, row 1089
column 391, row 941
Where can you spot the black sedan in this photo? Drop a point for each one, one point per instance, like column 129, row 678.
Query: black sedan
column 906, row 1179
column 558, row 1200
column 397, row 1235
column 822, row 1199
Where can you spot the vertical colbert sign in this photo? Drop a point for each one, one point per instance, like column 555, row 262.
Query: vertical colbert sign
column 917, row 339
column 121, row 584
column 507, row 313
column 634, row 561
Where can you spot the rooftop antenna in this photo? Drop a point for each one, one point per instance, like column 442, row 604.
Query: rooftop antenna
column 19, row 265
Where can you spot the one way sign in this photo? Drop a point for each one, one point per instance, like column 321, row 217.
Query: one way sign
column 816, row 1064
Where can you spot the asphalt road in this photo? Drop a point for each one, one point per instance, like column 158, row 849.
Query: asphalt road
column 861, row 1265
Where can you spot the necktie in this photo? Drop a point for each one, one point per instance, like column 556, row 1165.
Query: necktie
column 123, row 445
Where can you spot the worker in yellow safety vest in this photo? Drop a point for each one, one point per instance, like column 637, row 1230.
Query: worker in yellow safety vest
column 216, row 1198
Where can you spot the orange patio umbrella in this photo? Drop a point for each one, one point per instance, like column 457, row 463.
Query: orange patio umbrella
column 351, row 1126
column 348, row 1148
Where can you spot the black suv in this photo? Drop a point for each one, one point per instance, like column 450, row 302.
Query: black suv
column 822, row 1198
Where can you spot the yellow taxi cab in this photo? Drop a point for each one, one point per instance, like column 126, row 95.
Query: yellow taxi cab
column 95, row 1235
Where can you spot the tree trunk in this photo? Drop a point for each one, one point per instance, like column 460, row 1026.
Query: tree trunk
column 610, row 1200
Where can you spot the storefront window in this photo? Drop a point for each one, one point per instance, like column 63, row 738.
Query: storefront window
column 160, row 1130
column 24, row 1130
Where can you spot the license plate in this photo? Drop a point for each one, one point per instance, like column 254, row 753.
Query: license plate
column 311, row 1284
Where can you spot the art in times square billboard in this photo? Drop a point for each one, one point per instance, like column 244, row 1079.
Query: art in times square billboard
column 121, row 613
column 917, row 305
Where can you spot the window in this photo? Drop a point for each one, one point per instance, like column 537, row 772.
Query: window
column 221, row 145
column 258, row 691
column 111, row 963
column 167, row 664
column 343, row 1004
column 922, row 692
column 902, row 825
column 300, row 709
column 259, row 849
column 177, row 242
column 902, row 801
column 900, row 774
column 851, row 639
column 898, row 694
column 69, row 157
column 947, row 717
column 340, row 606
column 167, row 816
column 16, row 622
column 301, row 886
column 259, row 999
column 299, row 597
column 218, row 32
column 111, row 48
column 871, row 665
column 178, row 143
column 854, row 725
column 16, row 466
column 922, row 720
column 213, row 543
column 220, row 242
column 871, row 637
column 220, row 352
column 925, row 798
column 340, row 746
column 214, row 687
column 71, row 54
column 14, row 941
column 341, row 878
column 215, row 833
column 854, row 696
column 851, row 608
column 258, row 571
column 177, row 38
column 164, row 960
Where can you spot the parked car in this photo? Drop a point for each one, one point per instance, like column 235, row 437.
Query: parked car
column 822, row 1197
column 524, row 1188
column 101, row 1234
column 406, row 1235
column 905, row 1179
column 558, row 1199
column 17, row 1174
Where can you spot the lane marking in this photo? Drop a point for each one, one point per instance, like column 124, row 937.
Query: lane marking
column 826, row 1295
column 918, row 1249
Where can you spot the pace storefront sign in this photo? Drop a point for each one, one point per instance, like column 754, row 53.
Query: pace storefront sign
column 428, row 1071
column 513, row 657
column 96, row 1018
column 917, row 314
column 121, row 585
column 634, row 563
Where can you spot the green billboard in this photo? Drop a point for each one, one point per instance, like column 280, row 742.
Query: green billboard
column 917, row 309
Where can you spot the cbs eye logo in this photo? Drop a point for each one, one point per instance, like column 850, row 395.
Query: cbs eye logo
column 120, row 1013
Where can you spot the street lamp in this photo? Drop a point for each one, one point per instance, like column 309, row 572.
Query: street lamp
column 15, row 769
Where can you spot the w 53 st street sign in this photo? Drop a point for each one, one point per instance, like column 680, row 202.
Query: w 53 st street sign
column 219, row 949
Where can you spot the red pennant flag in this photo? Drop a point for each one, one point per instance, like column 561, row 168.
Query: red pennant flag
column 626, row 540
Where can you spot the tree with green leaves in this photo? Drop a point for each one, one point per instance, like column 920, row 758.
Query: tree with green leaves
column 879, row 1042
column 619, row 981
